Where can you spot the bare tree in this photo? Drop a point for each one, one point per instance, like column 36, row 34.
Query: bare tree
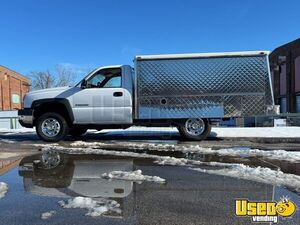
column 42, row 80
column 65, row 76
column 62, row 76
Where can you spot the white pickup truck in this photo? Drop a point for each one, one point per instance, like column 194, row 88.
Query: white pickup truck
column 188, row 91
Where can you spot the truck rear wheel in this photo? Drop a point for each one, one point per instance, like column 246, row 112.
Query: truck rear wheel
column 195, row 129
column 51, row 127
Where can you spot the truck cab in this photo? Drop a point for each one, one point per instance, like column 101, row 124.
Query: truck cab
column 104, row 98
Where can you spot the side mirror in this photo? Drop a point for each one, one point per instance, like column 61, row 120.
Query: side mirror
column 83, row 84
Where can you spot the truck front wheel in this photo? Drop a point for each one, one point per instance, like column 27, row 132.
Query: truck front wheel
column 51, row 127
column 195, row 129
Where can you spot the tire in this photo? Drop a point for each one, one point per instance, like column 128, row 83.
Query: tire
column 77, row 131
column 199, row 132
column 55, row 127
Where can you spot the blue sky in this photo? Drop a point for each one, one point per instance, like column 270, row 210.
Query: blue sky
column 39, row 34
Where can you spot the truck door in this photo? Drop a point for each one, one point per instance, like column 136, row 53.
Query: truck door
column 104, row 100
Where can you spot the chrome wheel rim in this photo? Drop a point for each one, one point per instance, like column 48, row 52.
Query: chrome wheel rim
column 195, row 127
column 50, row 127
column 50, row 159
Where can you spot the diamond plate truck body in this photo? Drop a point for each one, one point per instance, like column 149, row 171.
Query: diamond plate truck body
column 203, row 85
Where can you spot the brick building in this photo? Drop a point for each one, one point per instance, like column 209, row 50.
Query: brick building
column 13, row 86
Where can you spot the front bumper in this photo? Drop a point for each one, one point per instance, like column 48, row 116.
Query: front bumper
column 26, row 117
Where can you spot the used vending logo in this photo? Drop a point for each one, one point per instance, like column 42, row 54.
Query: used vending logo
column 264, row 211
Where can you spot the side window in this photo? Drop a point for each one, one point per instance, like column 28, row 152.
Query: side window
column 114, row 82
column 96, row 80
column 107, row 78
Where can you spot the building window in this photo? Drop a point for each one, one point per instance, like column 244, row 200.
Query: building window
column 15, row 98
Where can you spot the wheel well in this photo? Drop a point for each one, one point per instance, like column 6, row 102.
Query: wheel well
column 56, row 107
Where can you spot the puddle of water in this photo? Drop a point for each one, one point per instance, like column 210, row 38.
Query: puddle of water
column 36, row 188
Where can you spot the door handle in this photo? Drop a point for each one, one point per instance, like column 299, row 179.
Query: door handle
column 118, row 94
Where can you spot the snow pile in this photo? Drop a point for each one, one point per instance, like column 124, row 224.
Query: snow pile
column 127, row 145
column 3, row 189
column 132, row 176
column 244, row 152
column 83, row 143
column 47, row 215
column 259, row 174
column 171, row 161
column 273, row 154
column 44, row 145
column 95, row 207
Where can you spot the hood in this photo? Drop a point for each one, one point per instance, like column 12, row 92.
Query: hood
column 47, row 90
column 60, row 92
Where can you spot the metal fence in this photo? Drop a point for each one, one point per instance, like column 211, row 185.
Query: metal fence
column 9, row 120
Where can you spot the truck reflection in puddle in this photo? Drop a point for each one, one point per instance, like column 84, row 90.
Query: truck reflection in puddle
column 60, row 175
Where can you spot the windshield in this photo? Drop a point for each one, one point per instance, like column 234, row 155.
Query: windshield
column 90, row 73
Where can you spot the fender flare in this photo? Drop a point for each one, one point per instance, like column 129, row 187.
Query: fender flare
column 62, row 101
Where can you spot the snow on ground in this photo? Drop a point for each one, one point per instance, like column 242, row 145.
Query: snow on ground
column 96, row 207
column 132, row 176
column 5, row 131
column 44, row 145
column 47, row 215
column 7, row 141
column 259, row 174
column 7, row 155
column 3, row 189
column 259, row 132
column 225, row 132
column 274, row 132
column 244, row 152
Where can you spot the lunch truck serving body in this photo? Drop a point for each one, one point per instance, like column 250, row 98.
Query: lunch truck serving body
column 188, row 91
